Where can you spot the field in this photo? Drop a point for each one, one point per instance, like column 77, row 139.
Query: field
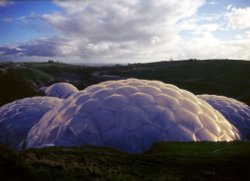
column 165, row 161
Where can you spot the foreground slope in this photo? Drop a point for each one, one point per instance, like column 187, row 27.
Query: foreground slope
column 165, row 161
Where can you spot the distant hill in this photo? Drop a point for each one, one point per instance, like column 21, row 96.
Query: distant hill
column 222, row 77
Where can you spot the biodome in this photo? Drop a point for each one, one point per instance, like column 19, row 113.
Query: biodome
column 236, row 112
column 16, row 118
column 60, row 90
column 130, row 115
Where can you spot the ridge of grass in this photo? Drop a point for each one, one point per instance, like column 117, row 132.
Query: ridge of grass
column 164, row 161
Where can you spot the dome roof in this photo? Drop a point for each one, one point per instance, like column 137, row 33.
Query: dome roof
column 130, row 115
column 236, row 112
column 16, row 118
column 60, row 90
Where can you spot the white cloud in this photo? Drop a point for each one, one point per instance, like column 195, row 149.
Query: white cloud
column 121, row 28
column 212, row 3
column 239, row 18
column 247, row 34
column 208, row 46
column 229, row 7
column 206, row 28
column 135, row 30
column 155, row 39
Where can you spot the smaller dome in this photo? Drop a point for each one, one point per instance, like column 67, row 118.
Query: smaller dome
column 16, row 118
column 236, row 112
column 61, row 90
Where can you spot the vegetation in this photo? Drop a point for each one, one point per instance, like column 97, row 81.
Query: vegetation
column 165, row 161
column 14, row 86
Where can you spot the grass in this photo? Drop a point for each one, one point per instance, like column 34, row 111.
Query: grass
column 35, row 75
column 22, row 81
column 14, row 86
column 58, row 72
column 220, row 77
column 164, row 161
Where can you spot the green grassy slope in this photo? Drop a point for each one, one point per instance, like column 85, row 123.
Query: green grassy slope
column 59, row 72
column 165, row 161
column 14, row 86
column 35, row 75
column 19, row 80
column 221, row 77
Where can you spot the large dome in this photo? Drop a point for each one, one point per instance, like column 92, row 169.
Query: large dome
column 60, row 90
column 236, row 112
column 16, row 118
column 130, row 115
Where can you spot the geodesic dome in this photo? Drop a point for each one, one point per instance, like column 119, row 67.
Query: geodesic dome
column 236, row 112
column 16, row 118
column 61, row 90
column 130, row 115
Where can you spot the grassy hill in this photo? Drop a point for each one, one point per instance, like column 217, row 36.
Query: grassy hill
column 222, row 77
column 14, row 86
column 165, row 161
column 19, row 80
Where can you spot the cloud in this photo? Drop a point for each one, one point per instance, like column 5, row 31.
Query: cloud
column 212, row 2
column 117, row 21
column 5, row 3
column 208, row 46
column 229, row 6
column 132, row 30
column 47, row 47
column 120, row 28
column 239, row 17
column 94, row 30
column 59, row 47
column 9, row 51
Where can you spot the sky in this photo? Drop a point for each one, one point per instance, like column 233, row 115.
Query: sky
column 124, row 31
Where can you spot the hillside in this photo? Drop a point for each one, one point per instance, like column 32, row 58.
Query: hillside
column 222, row 77
column 165, row 161
column 19, row 80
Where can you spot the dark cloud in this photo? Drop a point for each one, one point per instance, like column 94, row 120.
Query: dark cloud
column 9, row 51
column 46, row 47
